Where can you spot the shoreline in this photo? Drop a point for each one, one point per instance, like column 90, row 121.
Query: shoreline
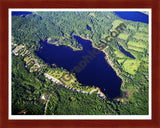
column 116, row 70
column 118, row 74
column 53, row 79
column 106, row 58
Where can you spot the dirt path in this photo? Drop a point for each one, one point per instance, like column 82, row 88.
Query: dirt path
column 46, row 105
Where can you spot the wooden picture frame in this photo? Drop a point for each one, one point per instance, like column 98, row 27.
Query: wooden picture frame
column 4, row 34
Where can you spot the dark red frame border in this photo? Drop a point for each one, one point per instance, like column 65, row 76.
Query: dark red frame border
column 6, row 4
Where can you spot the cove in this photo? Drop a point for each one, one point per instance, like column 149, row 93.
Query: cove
column 97, row 72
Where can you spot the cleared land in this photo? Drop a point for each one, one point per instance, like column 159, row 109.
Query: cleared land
column 120, row 61
column 143, row 29
column 141, row 36
column 137, row 44
column 115, row 24
column 123, row 36
column 135, row 48
column 131, row 66
column 119, row 54
column 131, row 27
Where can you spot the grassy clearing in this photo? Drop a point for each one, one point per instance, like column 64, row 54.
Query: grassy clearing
column 140, row 44
column 62, row 75
column 123, row 36
column 146, row 59
column 134, row 28
column 131, row 66
column 120, row 61
column 138, row 49
column 119, row 54
column 115, row 24
column 141, row 36
column 143, row 29
column 69, row 79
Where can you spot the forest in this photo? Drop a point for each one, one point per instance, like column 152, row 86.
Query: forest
column 31, row 91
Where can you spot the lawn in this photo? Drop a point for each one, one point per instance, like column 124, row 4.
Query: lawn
column 131, row 66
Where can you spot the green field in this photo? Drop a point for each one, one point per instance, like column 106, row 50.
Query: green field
column 141, row 36
column 120, row 61
column 123, row 36
column 119, row 54
column 115, row 24
column 134, row 28
column 131, row 66
column 138, row 49
column 138, row 44
column 143, row 29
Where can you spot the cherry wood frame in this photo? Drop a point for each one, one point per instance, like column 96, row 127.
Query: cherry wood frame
column 6, row 4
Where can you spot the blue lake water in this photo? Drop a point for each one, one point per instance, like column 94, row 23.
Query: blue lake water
column 89, row 28
column 19, row 13
column 97, row 72
column 133, row 16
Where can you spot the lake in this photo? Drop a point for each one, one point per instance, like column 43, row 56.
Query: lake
column 19, row 13
column 97, row 72
column 133, row 16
